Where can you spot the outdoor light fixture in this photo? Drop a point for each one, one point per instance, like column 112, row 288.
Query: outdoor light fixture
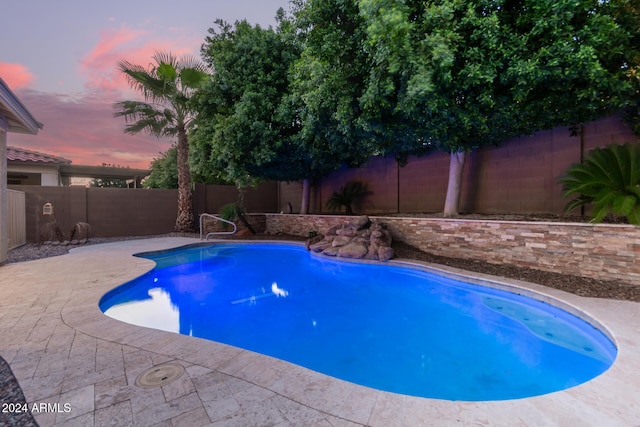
column 47, row 209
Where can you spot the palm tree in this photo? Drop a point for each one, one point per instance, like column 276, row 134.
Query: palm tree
column 609, row 180
column 167, row 86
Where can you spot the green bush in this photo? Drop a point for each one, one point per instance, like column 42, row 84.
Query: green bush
column 608, row 180
column 352, row 191
column 230, row 212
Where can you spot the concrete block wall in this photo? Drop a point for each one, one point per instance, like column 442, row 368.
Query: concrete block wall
column 519, row 176
column 599, row 251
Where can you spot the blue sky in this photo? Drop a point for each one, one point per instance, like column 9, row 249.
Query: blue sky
column 60, row 60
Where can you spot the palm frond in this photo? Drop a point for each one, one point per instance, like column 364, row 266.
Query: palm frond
column 608, row 179
column 347, row 195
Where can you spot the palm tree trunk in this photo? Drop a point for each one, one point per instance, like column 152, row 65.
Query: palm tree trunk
column 456, row 166
column 184, row 221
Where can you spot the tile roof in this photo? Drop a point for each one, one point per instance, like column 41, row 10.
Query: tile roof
column 22, row 155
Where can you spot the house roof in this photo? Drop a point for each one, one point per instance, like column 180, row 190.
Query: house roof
column 15, row 154
column 15, row 114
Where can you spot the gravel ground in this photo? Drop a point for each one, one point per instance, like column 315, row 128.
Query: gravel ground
column 15, row 410
column 578, row 285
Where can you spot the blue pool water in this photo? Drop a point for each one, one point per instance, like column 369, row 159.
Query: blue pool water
column 392, row 328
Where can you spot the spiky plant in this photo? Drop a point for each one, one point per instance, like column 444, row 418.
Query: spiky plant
column 346, row 196
column 608, row 180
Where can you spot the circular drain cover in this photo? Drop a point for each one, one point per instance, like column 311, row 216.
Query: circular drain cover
column 160, row 375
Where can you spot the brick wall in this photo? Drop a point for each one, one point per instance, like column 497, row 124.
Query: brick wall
column 600, row 251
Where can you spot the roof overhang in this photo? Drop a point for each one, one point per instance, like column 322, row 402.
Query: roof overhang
column 15, row 114
column 79, row 171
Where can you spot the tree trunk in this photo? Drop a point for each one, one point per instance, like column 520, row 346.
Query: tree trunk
column 306, row 196
column 456, row 166
column 184, row 221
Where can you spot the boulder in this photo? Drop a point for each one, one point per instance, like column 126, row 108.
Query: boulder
column 349, row 232
column 333, row 230
column 51, row 232
column 360, row 223
column 319, row 246
column 331, row 251
column 385, row 253
column 312, row 241
column 80, row 231
column 360, row 238
column 353, row 250
column 341, row 241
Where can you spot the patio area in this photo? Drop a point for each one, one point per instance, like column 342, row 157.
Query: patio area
column 63, row 350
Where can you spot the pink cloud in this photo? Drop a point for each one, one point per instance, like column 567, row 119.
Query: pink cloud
column 17, row 76
column 83, row 130
column 99, row 66
column 81, row 126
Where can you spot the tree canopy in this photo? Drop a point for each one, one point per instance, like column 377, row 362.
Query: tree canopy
column 244, row 130
column 276, row 106
column 459, row 75
column 164, row 170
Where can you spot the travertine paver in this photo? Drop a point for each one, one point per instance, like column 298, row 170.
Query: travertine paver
column 80, row 366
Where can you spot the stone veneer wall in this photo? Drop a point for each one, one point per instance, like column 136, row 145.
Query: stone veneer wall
column 599, row 251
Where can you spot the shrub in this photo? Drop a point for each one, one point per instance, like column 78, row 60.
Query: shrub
column 608, row 180
column 352, row 191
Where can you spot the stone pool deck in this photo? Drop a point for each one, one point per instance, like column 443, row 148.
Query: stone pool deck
column 63, row 350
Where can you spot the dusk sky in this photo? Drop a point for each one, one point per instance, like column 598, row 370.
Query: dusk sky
column 60, row 59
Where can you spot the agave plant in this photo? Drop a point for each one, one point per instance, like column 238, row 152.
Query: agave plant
column 352, row 191
column 608, row 180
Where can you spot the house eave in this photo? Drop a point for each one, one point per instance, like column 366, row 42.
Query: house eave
column 17, row 117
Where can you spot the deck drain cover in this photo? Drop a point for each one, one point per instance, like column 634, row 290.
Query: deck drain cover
column 160, row 375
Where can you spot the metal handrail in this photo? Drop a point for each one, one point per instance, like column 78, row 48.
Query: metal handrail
column 235, row 228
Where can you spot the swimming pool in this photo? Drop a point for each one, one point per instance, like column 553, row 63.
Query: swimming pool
column 393, row 328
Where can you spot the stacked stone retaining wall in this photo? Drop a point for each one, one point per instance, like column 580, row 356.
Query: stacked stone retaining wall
column 599, row 251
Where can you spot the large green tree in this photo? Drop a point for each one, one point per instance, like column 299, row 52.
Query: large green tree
column 164, row 170
column 458, row 75
column 283, row 103
column 166, row 85
column 244, row 130
column 327, row 83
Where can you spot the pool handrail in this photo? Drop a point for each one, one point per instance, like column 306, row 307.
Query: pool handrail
column 235, row 228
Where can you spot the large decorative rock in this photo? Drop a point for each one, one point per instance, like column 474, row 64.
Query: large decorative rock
column 80, row 232
column 360, row 223
column 359, row 238
column 319, row 246
column 340, row 241
column 331, row 251
column 353, row 250
column 50, row 232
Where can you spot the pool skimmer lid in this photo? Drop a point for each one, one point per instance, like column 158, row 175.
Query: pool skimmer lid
column 160, row 375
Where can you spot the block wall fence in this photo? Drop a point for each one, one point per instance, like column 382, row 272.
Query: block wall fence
column 519, row 176
column 116, row 212
column 598, row 251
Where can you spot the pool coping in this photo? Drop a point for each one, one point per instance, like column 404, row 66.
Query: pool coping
column 609, row 399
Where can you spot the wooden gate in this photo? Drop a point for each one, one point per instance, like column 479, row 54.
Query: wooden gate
column 16, row 221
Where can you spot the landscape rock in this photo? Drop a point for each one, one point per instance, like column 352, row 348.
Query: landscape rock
column 385, row 253
column 319, row 246
column 361, row 222
column 340, row 241
column 353, row 250
column 331, row 251
column 80, row 231
column 359, row 238
column 312, row 241
column 50, row 231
